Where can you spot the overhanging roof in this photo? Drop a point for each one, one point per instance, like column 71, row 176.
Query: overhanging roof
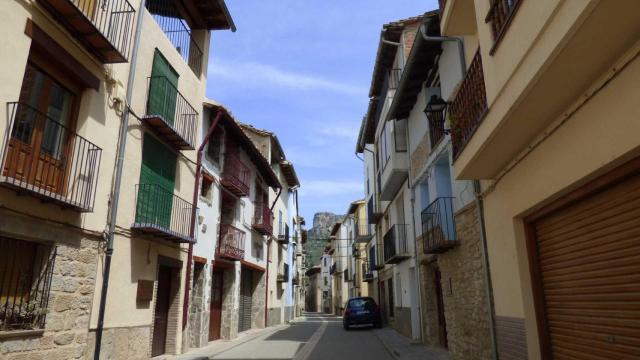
column 289, row 173
column 247, row 145
column 354, row 206
column 209, row 14
column 418, row 68
column 335, row 228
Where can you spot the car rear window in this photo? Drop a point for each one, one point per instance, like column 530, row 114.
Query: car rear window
column 362, row 303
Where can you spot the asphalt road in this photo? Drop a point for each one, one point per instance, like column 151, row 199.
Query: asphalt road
column 316, row 337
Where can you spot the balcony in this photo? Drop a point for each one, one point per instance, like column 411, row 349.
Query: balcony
column 355, row 252
column 170, row 115
column 367, row 272
column 333, row 269
column 49, row 161
column 346, row 276
column 436, row 127
column 231, row 243
column 296, row 279
column 499, row 17
column 374, row 214
column 363, row 230
column 469, row 107
column 283, row 236
column 236, row 175
column 263, row 220
column 438, row 226
column 175, row 27
column 391, row 81
column 396, row 245
column 161, row 213
column 103, row 27
column 393, row 157
column 283, row 273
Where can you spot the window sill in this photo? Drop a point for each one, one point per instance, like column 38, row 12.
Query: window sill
column 20, row 333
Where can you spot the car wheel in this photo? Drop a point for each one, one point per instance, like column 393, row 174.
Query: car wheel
column 346, row 327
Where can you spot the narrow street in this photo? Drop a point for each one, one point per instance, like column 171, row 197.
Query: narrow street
column 314, row 337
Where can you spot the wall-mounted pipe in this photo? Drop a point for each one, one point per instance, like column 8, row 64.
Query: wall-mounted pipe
column 117, row 183
column 194, row 208
column 425, row 37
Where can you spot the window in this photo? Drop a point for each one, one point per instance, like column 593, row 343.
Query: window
column 205, row 189
column 24, row 287
column 214, row 148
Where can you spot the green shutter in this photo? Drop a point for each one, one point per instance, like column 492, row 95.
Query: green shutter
column 158, row 168
column 163, row 89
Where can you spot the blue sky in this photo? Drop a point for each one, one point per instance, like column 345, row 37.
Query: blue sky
column 302, row 69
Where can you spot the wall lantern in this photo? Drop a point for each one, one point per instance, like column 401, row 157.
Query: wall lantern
column 436, row 107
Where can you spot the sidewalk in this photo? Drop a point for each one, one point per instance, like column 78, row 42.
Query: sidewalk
column 402, row 348
column 219, row 346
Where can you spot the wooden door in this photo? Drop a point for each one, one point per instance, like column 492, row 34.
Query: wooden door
column 588, row 262
column 246, row 290
column 39, row 144
column 215, row 314
column 161, row 312
column 442, row 322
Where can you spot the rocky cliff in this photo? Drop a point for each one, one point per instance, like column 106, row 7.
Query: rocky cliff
column 318, row 236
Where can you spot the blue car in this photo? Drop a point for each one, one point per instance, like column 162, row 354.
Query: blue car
column 361, row 311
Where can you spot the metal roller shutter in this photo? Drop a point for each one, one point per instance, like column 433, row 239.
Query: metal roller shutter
column 589, row 262
column 246, row 289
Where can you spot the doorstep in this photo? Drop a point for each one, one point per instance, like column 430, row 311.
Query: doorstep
column 403, row 348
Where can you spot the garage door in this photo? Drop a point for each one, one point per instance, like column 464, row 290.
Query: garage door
column 589, row 262
column 246, row 292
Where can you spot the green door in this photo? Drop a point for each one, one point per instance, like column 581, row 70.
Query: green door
column 163, row 89
column 157, row 181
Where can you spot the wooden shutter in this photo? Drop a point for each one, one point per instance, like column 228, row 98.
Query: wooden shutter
column 163, row 89
column 589, row 266
column 158, row 168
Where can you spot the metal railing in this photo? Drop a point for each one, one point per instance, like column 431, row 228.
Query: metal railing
column 26, row 269
column 283, row 272
column 175, row 27
column 333, row 268
column 283, row 235
column 469, row 107
column 436, row 127
column 231, row 242
column 166, row 102
column 346, row 276
column 363, row 228
column 393, row 131
column 367, row 271
column 355, row 252
column 396, row 244
column 112, row 18
column 236, row 174
column 158, row 210
column 394, row 76
column 49, row 159
column 438, row 225
column 499, row 15
column 263, row 218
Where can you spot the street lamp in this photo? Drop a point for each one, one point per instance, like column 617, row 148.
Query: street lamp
column 436, row 106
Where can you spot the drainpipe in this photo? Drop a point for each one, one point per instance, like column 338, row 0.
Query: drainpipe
column 115, row 189
column 487, row 272
column 425, row 37
column 194, row 208
column 266, row 288
column 417, row 262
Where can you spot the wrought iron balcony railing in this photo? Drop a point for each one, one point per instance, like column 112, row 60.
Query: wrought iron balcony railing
column 436, row 127
column 333, row 269
column 236, row 175
column 438, row 226
column 396, row 244
column 170, row 20
column 45, row 158
column 161, row 213
column 355, row 252
column 283, row 273
column 170, row 115
column 469, row 107
column 231, row 242
column 26, row 269
column 263, row 220
column 367, row 272
column 283, row 236
column 363, row 230
column 103, row 27
column 347, row 276
column 499, row 17
column 374, row 214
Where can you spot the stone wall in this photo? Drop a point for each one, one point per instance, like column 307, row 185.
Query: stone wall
column 258, row 300
column 402, row 321
column 465, row 298
column 198, row 325
column 274, row 316
column 66, row 329
column 122, row 343
column 230, row 302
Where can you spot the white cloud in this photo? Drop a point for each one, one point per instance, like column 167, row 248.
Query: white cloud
column 261, row 75
column 323, row 188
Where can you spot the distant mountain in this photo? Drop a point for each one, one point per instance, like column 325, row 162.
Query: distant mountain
column 318, row 235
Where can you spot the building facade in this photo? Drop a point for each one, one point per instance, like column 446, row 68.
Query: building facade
column 547, row 124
